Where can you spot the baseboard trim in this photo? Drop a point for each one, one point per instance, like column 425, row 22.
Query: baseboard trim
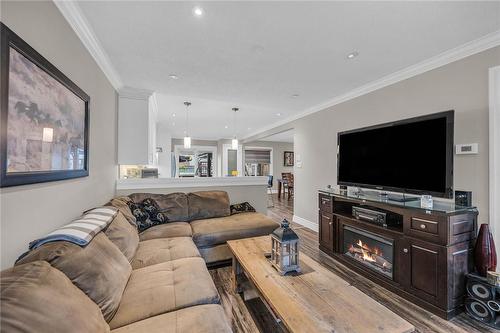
column 306, row 223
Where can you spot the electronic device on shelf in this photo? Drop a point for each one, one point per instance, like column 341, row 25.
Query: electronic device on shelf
column 463, row 198
column 377, row 216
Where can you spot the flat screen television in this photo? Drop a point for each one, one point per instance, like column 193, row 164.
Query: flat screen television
column 410, row 156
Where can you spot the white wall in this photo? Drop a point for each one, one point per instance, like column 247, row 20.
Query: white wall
column 29, row 212
column 462, row 86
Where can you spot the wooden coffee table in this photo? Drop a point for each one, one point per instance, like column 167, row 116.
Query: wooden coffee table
column 315, row 300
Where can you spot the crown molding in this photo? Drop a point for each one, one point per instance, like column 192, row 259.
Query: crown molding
column 465, row 50
column 73, row 14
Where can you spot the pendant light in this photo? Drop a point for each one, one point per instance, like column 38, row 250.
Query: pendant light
column 187, row 138
column 234, row 142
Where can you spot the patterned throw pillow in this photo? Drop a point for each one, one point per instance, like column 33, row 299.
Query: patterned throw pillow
column 147, row 213
column 243, row 207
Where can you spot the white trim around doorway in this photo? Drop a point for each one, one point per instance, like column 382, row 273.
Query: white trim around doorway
column 494, row 151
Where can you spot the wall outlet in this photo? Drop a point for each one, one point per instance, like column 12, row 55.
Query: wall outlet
column 466, row 149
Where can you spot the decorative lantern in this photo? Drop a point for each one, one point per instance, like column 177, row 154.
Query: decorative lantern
column 285, row 249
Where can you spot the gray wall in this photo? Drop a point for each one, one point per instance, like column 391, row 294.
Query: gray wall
column 462, row 86
column 28, row 212
column 278, row 149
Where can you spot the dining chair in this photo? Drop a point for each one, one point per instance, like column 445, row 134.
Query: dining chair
column 270, row 190
column 287, row 178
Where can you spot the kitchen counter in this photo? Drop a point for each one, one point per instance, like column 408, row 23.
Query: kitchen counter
column 156, row 183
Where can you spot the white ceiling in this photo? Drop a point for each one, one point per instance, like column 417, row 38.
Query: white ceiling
column 256, row 55
column 286, row 136
column 208, row 119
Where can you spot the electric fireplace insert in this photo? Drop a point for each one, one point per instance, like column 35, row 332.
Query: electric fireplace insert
column 373, row 251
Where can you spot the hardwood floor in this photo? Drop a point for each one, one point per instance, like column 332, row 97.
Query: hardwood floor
column 252, row 316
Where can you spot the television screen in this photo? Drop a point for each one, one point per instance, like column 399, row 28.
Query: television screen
column 413, row 156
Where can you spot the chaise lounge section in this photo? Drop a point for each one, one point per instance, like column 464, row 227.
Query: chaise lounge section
column 125, row 281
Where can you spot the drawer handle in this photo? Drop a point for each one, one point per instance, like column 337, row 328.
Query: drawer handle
column 423, row 226
column 325, row 200
column 330, row 223
column 422, row 220
column 405, row 250
column 326, row 217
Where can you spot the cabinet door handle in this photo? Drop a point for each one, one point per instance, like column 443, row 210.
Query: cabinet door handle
column 330, row 223
column 423, row 226
column 325, row 217
column 325, row 200
column 405, row 250
column 424, row 249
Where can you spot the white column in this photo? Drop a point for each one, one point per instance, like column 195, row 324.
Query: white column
column 164, row 140
column 494, row 156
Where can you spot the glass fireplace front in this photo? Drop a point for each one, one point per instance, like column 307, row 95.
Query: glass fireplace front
column 369, row 249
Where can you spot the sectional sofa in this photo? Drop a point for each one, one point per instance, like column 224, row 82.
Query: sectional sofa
column 125, row 281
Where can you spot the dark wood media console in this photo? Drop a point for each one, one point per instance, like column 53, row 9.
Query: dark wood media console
column 424, row 257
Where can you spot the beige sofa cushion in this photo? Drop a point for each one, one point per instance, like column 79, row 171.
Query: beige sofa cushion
column 161, row 288
column 216, row 231
column 124, row 235
column 173, row 205
column 121, row 203
column 167, row 230
column 36, row 297
column 155, row 251
column 99, row 269
column 216, row 253
column 208, row 204
column 208, row 318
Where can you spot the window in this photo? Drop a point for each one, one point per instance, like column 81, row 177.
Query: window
column 198, row 161
column 258, row 161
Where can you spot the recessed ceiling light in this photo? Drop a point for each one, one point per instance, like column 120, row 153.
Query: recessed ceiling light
column 173, row 115
column 249, row 128
column 197, row 11
column 226, row 126
column 352, row 55
column 295, row 95
column 173, row 76
column 173, row 124
column 278, row 114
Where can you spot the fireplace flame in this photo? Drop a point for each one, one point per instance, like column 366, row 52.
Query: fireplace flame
column 368, row 253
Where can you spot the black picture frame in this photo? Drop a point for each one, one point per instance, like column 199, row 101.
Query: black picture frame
column 8, row 40
column 288, row 158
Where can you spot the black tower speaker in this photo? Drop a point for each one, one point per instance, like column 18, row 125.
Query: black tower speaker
column 483, row 301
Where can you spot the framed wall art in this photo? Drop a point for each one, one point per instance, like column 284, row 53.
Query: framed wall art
column 44, row 118
column 288, row 158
